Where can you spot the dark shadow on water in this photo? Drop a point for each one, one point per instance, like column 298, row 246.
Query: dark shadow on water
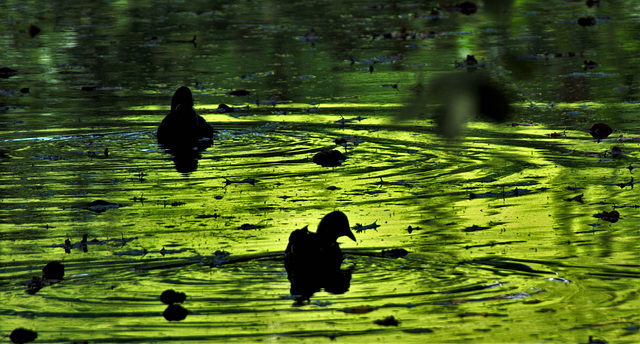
column 185, row 157
column 305, row 284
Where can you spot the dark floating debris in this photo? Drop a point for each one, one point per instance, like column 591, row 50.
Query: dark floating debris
column 142, row 252
column 343, row 120
column 466, row 7
column 482, row 314
column 207, row 216
column 471, row 60
column 53, row 271
column 329, row 158
column 576, row 198
column 392, row 85
column 311, row 36
column 388, row 321
column 247, row 227
column 394, row 253
column 84, row 243
column 49, row 157
column 587, row 21
column 401, row 183
column 612, row 216
column 600, row 131
column 174, row 204
column 81, row 245
column 164, row 251
column 623, row 185
column 99, row 155
column 34, row 30
column 219, row 257
column 22, row 335
column 99, row 206
column 239, row 93
column 411, row 229
column 360, row 228
column 246, row 180
column 171, row 296
column 471, row 63
column 345, row 140
column 175, row 313
column 34, row 285
column 500, row 264
column 359, row 309
column 556, row 135
column 6, row 72
column 90, row 88
column 192, row 41
column 224, row 108
column 614, row 152
column 590, row 64
column 475, row 228
column 591, row 3
column 596, row 341
column 273, row 100
column 418, row 330
column 140, row 199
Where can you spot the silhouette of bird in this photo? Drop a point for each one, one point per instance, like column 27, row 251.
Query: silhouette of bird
column 183, row 126
column 313, row 260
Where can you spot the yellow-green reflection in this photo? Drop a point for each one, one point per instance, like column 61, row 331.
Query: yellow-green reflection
column 500, row 250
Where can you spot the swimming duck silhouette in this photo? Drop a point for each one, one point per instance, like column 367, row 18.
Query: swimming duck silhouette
column 313, row 260
column 183, row 126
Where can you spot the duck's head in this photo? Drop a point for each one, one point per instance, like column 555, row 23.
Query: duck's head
column 183, row 98
column 334, row 225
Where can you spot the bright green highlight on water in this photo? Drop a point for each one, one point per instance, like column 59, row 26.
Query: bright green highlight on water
column 498, row 219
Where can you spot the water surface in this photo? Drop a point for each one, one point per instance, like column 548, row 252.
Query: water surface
column 502, row 248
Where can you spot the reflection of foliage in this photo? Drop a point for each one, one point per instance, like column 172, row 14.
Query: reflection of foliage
column 460, row 97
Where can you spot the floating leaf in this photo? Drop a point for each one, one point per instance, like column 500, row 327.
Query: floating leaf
column 388, row 321
column 600, row 131
column 360, row 228
column 612, row 216
column 394, row 253
column 329, row 158
column 359, row 309
column 247, row 226
column 576, row 198
column 22, row 335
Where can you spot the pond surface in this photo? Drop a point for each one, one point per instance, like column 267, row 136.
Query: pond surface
column 521, row 230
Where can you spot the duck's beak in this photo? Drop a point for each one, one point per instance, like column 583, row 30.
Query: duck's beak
column 350, row 235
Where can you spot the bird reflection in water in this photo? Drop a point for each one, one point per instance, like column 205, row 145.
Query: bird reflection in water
column 184, row 133
column 313, row 260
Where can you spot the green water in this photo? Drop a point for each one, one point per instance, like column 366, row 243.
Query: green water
column 501, row 252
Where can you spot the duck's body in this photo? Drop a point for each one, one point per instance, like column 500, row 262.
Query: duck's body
column 313, row 260
column 183, row 126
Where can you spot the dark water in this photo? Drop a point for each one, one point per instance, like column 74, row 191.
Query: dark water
column 502, row 246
